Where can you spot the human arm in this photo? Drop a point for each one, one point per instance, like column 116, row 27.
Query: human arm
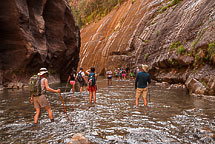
column 50, row 89
column 87, row 71
column 83, row 76
column 32, row 99
column 68, row 78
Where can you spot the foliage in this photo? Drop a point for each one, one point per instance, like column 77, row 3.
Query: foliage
column 211, row 51
column 198, row 38
column 173, row 62
column 87, row 11
column 174, row 45
column 146, row 56
column 133, row 1
column 181, row 50
column 174, row 2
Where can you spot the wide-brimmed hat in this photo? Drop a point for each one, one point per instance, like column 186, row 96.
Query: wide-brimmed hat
column 145, row 68
column 43, row 69
column 42, row 73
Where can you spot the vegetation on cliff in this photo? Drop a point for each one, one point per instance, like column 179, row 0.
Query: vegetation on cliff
column 87, row 11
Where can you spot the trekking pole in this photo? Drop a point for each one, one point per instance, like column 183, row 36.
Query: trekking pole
column 63, row 106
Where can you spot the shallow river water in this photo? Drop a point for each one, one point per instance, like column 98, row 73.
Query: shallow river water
column 171, row 116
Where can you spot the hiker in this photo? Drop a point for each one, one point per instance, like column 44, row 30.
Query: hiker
column 118, row 72
column 123, row 74
column 71, row 80
column 92, row 83
column 40, row 100
column 142, row 79
column 115, row 74
column 131, row 74
column 109, row 76
column 80, row 77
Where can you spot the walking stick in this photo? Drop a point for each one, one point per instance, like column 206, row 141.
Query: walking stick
column 63, row 106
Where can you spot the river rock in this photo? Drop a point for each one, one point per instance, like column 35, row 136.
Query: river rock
column 35, row 34
column 79, row 139
column 195, row 86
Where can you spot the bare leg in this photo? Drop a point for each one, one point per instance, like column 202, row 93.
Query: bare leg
column 145, row 101
column 90, row 96
column 136, row 101
column 48, row 109
column 80, row 90
column 73, row 88
column 94, row 96
column 36, row 115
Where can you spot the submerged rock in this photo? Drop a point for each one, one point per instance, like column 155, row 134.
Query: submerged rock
column 79, row 139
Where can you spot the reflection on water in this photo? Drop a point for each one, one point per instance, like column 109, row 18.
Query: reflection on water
column 171, row 117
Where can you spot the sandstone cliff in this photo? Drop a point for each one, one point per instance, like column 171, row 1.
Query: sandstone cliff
column 175, row 38
column 34, row 34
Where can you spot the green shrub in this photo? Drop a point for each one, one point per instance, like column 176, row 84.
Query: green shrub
column 86, row 11
column 146, row 56
column 133, row 1
column 211, row 51
column 181, row 50
column 174, row 2
column 174, row 45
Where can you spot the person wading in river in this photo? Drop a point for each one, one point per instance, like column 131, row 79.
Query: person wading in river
column 71, row 79
column 81, row 79
column 92, row 84
column 41, row 101
column 142, row 79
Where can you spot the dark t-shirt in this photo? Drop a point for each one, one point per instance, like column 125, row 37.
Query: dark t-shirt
column 142, row 79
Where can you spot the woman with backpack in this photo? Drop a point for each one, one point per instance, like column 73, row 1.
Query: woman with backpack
column 92, row 84
column 71, row 80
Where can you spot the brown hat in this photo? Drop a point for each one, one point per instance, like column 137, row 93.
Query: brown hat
column 145, row 67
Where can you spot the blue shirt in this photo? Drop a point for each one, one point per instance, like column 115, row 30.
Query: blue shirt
column 142, row 79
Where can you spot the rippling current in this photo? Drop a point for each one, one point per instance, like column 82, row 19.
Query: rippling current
column 171, row 116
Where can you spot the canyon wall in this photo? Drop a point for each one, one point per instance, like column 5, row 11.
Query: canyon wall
column 175, row 38
column 35, row 34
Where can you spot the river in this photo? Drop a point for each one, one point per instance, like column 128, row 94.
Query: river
column 171, row 116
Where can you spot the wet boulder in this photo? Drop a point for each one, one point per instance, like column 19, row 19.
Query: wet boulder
column 79, row 139
column 194, row 86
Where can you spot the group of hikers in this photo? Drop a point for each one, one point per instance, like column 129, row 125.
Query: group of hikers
column 39, row 97
column 121, row 74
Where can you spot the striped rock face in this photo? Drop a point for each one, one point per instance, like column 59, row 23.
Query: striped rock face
column 175, row 38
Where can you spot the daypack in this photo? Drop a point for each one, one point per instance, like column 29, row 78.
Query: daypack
column 92, row 79
column 35, row 85
column 79, row 77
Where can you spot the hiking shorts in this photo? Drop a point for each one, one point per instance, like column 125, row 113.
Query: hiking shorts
column 92, row 88
column 82, row 84
column 72, row 82
column 40, row 101
column 109, row 77
column 141, row 91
